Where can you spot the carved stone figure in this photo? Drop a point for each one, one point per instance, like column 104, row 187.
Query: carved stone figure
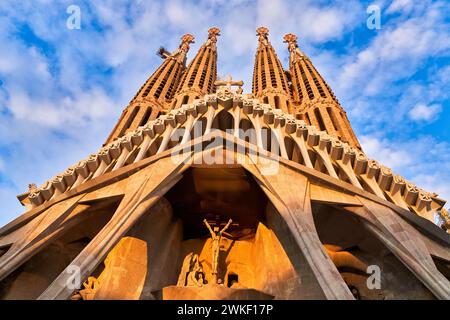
column 191, row 271
column 88, row 293
column 213, row 33
column 262, row 33
column 216, row 236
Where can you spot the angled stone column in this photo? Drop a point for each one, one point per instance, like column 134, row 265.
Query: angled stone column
column 37, row 234
column 293, row 203
column 404, row 242
column 142, row 191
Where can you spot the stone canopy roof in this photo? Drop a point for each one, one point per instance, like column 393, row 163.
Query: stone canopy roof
column 297, row 142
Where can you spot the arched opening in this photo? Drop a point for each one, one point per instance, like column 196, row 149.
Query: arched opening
column 319, row 119
column 224, row 121
column 198, row 129
column 353, row 248
column 185, row 100
column 293, row 150
column 130, row 120
column 277, row 102
column 247, row 131
column 34, row 276
column 146, row 116
column 153, row 148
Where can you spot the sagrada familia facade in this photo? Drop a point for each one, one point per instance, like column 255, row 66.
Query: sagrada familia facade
column 202, row 191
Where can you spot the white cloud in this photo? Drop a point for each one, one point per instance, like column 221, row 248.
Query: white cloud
column 400, row 6
column 422, row 112
column 383, row 152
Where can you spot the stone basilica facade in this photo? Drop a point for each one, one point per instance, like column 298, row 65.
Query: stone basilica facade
column 202, row 191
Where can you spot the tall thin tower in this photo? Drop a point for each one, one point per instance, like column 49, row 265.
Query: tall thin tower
column 153, row 97
column 270, row 84
column 314, row 101
column 199, row 77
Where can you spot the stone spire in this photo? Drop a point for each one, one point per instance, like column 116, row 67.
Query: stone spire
column 270, row 84
column 314, row 101
column 154, row 96
column 199, row 77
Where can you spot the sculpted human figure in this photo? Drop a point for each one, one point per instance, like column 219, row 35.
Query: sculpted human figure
column 216, row 236
column 191, row 271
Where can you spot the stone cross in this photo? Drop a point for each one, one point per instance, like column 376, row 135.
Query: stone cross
column 228, row 83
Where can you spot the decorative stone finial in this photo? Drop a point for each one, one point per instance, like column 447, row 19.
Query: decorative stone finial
column 291, row 40
column 262, row 33
column 213, row 33
column 185, row 41
column 180, row 53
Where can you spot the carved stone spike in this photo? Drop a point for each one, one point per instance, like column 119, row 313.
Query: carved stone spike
column 269, row 117
column 313, row 136
column 411, row 194
column 361, row 162
column 104, row 155
column 58, row 183
column 385, row 178
column 424, row 200
column 337, row 149
column 248, row 106
column 35, row 197
column 280, row 121
column 291, row 126
column 92, row 162
column 82, row 169
column 373, row 169
column 159, row 126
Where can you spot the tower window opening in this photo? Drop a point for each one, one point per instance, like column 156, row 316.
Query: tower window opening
column 130, row 120
column 277, row 102
column 307, row 119
column 147, row 114
column 185, row 99
column 319, row 119
column 333, row 118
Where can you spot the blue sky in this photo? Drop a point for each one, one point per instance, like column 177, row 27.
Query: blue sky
column 62, row 90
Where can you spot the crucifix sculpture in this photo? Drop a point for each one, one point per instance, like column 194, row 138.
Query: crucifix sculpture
column 228, row 83
column 216, row 236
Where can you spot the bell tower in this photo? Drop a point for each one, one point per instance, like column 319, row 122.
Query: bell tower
column 201, row 74
column 314, row 101
column 270, row 84
column 154, row 96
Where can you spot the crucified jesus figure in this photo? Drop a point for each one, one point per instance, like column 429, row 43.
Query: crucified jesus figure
column 216, row 236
